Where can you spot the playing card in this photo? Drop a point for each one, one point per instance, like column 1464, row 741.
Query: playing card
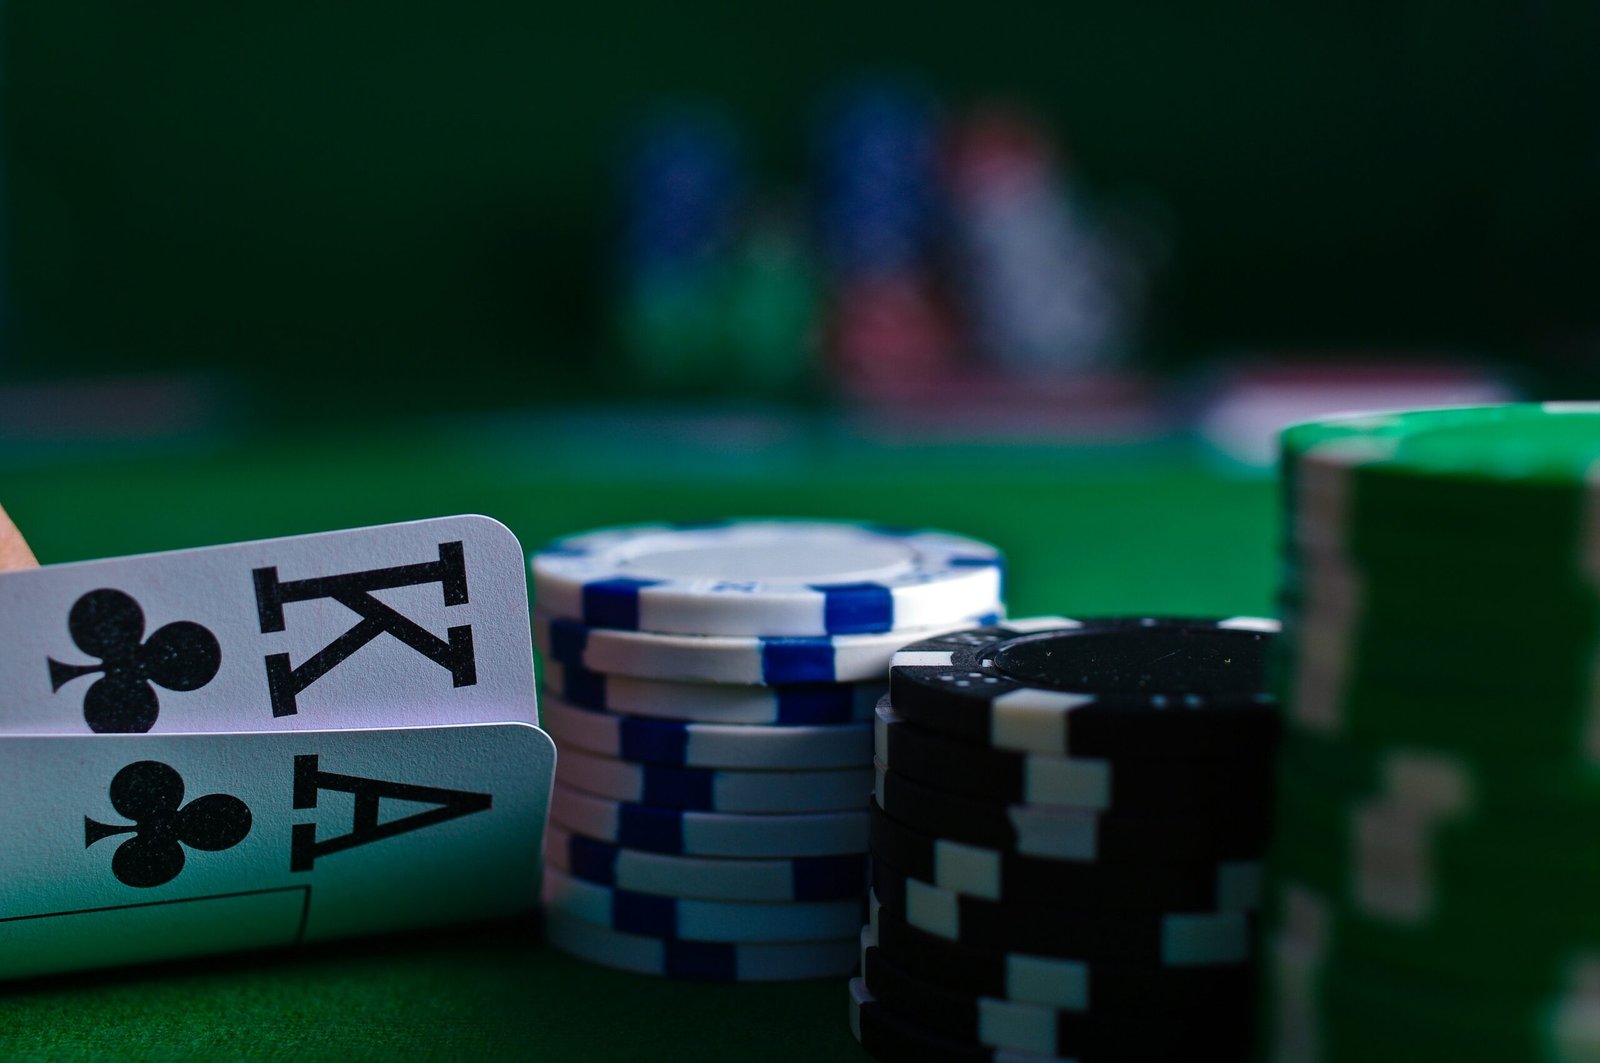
column 397, row 625
column 130, row 848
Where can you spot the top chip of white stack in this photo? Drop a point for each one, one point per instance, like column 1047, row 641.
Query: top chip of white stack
column 767, row 578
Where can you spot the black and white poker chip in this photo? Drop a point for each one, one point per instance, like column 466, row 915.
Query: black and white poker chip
column 1058, row 832
column 1144, row 785
column 1005, row 876
column 1122, row 686
column 1170, row 939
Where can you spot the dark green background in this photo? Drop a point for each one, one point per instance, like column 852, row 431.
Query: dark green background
column 349, row 204
column 341, row 199
column 1085, row 531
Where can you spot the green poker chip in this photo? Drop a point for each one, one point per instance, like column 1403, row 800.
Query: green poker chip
column 1345, row 1008
column 1516, row 788
column 1447, row 831
column 1435, row 866
column 1465, row 453
column 1522, row 957
column 1411, row 547
column 1428, row 595
column 1552, row 724
column 1504, row 486
column 1402, row 898
column 1445, row 896
column 1376, row 652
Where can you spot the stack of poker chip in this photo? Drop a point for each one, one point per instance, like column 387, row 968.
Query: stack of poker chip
column 1436, row 864
column 881, row 202
column 682, row 191
column 710, row 690
column 1067, row 827
column 1044, row 286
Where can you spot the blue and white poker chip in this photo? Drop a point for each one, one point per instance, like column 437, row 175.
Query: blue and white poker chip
column 710, row 790
column 759, row 578
column 671, row 830
column 709, row 745
column 714, row 961
column 771, row 661
column 800, row 878
column 656, row 915
column 802, row 703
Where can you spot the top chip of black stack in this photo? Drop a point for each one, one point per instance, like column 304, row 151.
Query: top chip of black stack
column 1110, row 686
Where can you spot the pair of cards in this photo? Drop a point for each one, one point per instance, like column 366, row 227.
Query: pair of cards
column 267, row 743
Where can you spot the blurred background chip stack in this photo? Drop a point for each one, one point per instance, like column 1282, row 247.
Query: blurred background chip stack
column 710, row 689
column 1436, row 862
column 930, row 250
column 1042, row 281
column 880, row 208
column 1067, row 828
column 682, row 191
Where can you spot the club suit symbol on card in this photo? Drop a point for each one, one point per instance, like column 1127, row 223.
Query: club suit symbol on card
column 109, row 626
column 353, row 590
column 150, row 794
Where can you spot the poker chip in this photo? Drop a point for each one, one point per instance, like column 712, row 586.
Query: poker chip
column 1433, row 866
column 1060, row 832
column 1120, row 686
column 1003, row 1023
column 804, row 878
column 888, row 1036
column 682, row 191
column 711, row 689
column 799, row 703
column 767, row 577
column 771, row 661
column 1376, row 917
column 1143, row 785
column 1067, row 831
column 1047, row 290
column 1458, row 834
column 1491, row 724
column 703, row 960
column 1004, row 874
column 1123, row 990
column 681, row 185
column 1513, row 787
column 877, row 153
column 879, row 201
column 1452, row 464
column 1395, row 630
column 1349, row 1010
column 670, row 830
column 708, row 790
column 1172, row 939
column 709, row 745
column 657, row 915
column 1336, row 685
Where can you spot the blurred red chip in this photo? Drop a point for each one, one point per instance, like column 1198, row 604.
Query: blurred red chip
column 997, row 147
column 889, row 326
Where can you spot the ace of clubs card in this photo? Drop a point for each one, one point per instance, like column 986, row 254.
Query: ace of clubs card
column 132, row 848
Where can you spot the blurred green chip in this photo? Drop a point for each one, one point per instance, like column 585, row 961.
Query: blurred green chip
column 1436, row 864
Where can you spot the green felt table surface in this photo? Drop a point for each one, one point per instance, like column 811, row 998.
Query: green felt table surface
column 1150, row 529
